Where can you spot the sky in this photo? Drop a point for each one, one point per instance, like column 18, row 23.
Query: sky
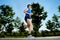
column 50, row 6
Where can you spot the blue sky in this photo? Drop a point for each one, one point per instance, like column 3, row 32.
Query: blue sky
column 51, row 6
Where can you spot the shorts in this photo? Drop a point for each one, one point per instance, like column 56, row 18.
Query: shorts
column 27, row 17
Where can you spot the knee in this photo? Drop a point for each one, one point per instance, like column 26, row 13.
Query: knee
column 28, row 25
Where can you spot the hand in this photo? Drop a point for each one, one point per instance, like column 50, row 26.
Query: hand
column 31, row 14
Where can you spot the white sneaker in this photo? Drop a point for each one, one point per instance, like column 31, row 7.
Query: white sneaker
column 30, row 36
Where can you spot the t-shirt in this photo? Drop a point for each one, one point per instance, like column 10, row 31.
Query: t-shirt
column 28, row 11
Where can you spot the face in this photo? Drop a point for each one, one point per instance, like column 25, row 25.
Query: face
column 30, row 6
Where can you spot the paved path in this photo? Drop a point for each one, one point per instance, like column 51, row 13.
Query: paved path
column 38, row 38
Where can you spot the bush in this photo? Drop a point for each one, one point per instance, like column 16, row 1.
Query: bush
column 2, row 35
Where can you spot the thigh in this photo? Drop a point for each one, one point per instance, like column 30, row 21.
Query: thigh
column 29, row 21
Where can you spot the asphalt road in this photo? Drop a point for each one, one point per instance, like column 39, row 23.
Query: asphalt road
column 36, row 38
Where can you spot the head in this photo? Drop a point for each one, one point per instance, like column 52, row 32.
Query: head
column 28, row 6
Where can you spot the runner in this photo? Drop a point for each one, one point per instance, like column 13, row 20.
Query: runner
column 28, row 19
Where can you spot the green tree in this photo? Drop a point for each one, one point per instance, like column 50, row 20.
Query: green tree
column 59, row 16
column 17, row 22
column 50, row 25
column 55, row 18
column 54, row 24
column 19, row 25
column 59, row 8
column 6, row 16
column 38, row 16
column 22, row 30
column 9, row 28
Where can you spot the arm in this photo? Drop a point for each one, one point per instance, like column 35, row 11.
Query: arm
column 31, row 14
column 25, row 11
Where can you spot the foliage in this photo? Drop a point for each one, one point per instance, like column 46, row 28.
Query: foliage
column 50, row 25
column 59, row 8
column 54, row 24
column 38, row 15
column 55, row 18
column 6, row 16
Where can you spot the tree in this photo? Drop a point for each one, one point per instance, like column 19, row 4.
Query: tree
column 59, row 8
column 50, row 25
column 59, row 16
column 38, row 16
column 22, row 30
column 9, row 28
column 55, row 19
column 17, row 22
column 54, row 24
column 6, row 17
column 19, row 25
